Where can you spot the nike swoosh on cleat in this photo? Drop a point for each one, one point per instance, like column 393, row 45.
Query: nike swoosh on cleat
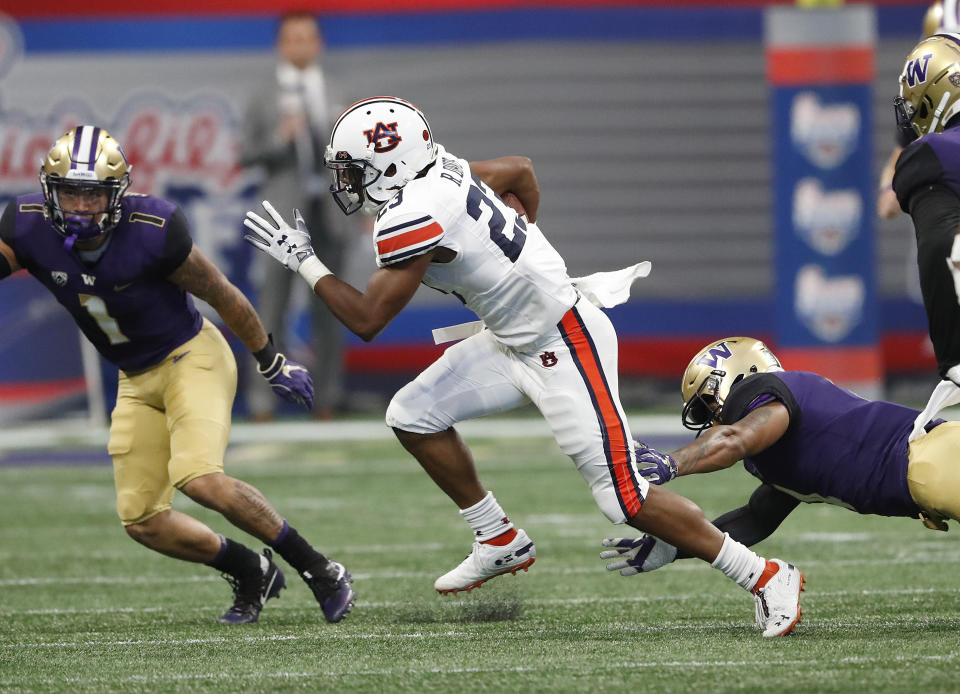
column 266, row 590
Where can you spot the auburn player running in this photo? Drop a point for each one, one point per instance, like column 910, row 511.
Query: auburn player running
column 807, row 440
column 441, row 221
column 124, row 266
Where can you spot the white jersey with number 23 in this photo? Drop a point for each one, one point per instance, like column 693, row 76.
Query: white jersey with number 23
column 503, row 269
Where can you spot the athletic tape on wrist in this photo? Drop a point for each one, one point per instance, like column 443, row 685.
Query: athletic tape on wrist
column 312, row 270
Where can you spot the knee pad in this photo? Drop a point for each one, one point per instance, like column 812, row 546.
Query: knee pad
column 133, row 507
column 409, row 410
column 606, row 499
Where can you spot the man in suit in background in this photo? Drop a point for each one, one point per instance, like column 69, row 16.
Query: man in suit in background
column 285, row 128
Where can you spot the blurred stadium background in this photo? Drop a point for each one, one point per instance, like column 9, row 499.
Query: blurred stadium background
column 652, row 127
column 672, row 132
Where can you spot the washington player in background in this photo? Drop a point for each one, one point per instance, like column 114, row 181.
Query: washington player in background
column 441, row 221
column 927, row 183
column 124, row 266
column 806, row 440
column 940, row 17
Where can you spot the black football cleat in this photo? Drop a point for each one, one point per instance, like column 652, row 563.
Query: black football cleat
column 251, row 593
column 330, row 583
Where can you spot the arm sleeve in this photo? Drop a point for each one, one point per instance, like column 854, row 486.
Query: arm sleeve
column 176, row 245
column 755, row 522
column 917, row 169
column 935, row 210
column 758, row 388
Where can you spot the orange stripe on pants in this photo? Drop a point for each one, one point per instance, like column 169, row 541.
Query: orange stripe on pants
column 615, row 441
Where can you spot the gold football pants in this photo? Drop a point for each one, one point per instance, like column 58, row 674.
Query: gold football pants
column 171, row 424
column 933, row 473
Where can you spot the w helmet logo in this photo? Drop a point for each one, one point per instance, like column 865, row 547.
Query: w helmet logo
column 384, row 137
column 715, row 356
column 915, row 71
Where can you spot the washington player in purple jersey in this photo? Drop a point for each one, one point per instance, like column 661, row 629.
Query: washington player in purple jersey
column 124, row 266
column 807, row 440
column 927, row 184
column 941, row 16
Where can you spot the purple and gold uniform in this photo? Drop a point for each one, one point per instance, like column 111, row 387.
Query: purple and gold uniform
column 177, row 374
column 844, row 450
column 120, row 300
column 927, row 184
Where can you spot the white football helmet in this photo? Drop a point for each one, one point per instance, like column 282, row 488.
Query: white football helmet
column 377, row 146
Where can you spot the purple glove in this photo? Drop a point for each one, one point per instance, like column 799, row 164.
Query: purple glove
column 636, row 555
column 654, row 466
column 289, row 380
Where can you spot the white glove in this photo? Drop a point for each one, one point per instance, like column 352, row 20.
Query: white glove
column 289, row 246
column 637, row 554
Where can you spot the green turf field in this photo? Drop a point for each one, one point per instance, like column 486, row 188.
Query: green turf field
column 85, row 609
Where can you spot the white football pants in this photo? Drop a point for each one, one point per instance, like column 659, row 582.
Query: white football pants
column 570, row 375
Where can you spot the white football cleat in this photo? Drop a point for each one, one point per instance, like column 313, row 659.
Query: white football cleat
column 488, row 561
column 778, row 601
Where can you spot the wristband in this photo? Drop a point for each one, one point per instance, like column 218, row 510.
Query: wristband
column 266, row 356
column 312, row 270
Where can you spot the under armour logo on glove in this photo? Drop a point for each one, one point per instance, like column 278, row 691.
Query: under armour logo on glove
column 654, row 466
column 278, row 239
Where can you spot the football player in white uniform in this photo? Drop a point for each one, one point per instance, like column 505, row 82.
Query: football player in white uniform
column 441, row 221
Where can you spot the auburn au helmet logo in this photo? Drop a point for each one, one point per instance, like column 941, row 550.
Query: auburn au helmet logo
column 383, row 137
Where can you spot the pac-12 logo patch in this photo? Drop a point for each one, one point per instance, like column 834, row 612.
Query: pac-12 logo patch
column 59, row 278
column 383, row 137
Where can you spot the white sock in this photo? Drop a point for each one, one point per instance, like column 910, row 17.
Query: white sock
column 486, row 518
column 739, row 563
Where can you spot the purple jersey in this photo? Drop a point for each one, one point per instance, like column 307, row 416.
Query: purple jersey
column 839, row 448
column 122, row 301
column 932, row 159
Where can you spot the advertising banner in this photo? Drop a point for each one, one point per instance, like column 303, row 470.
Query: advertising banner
column 820, row 65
